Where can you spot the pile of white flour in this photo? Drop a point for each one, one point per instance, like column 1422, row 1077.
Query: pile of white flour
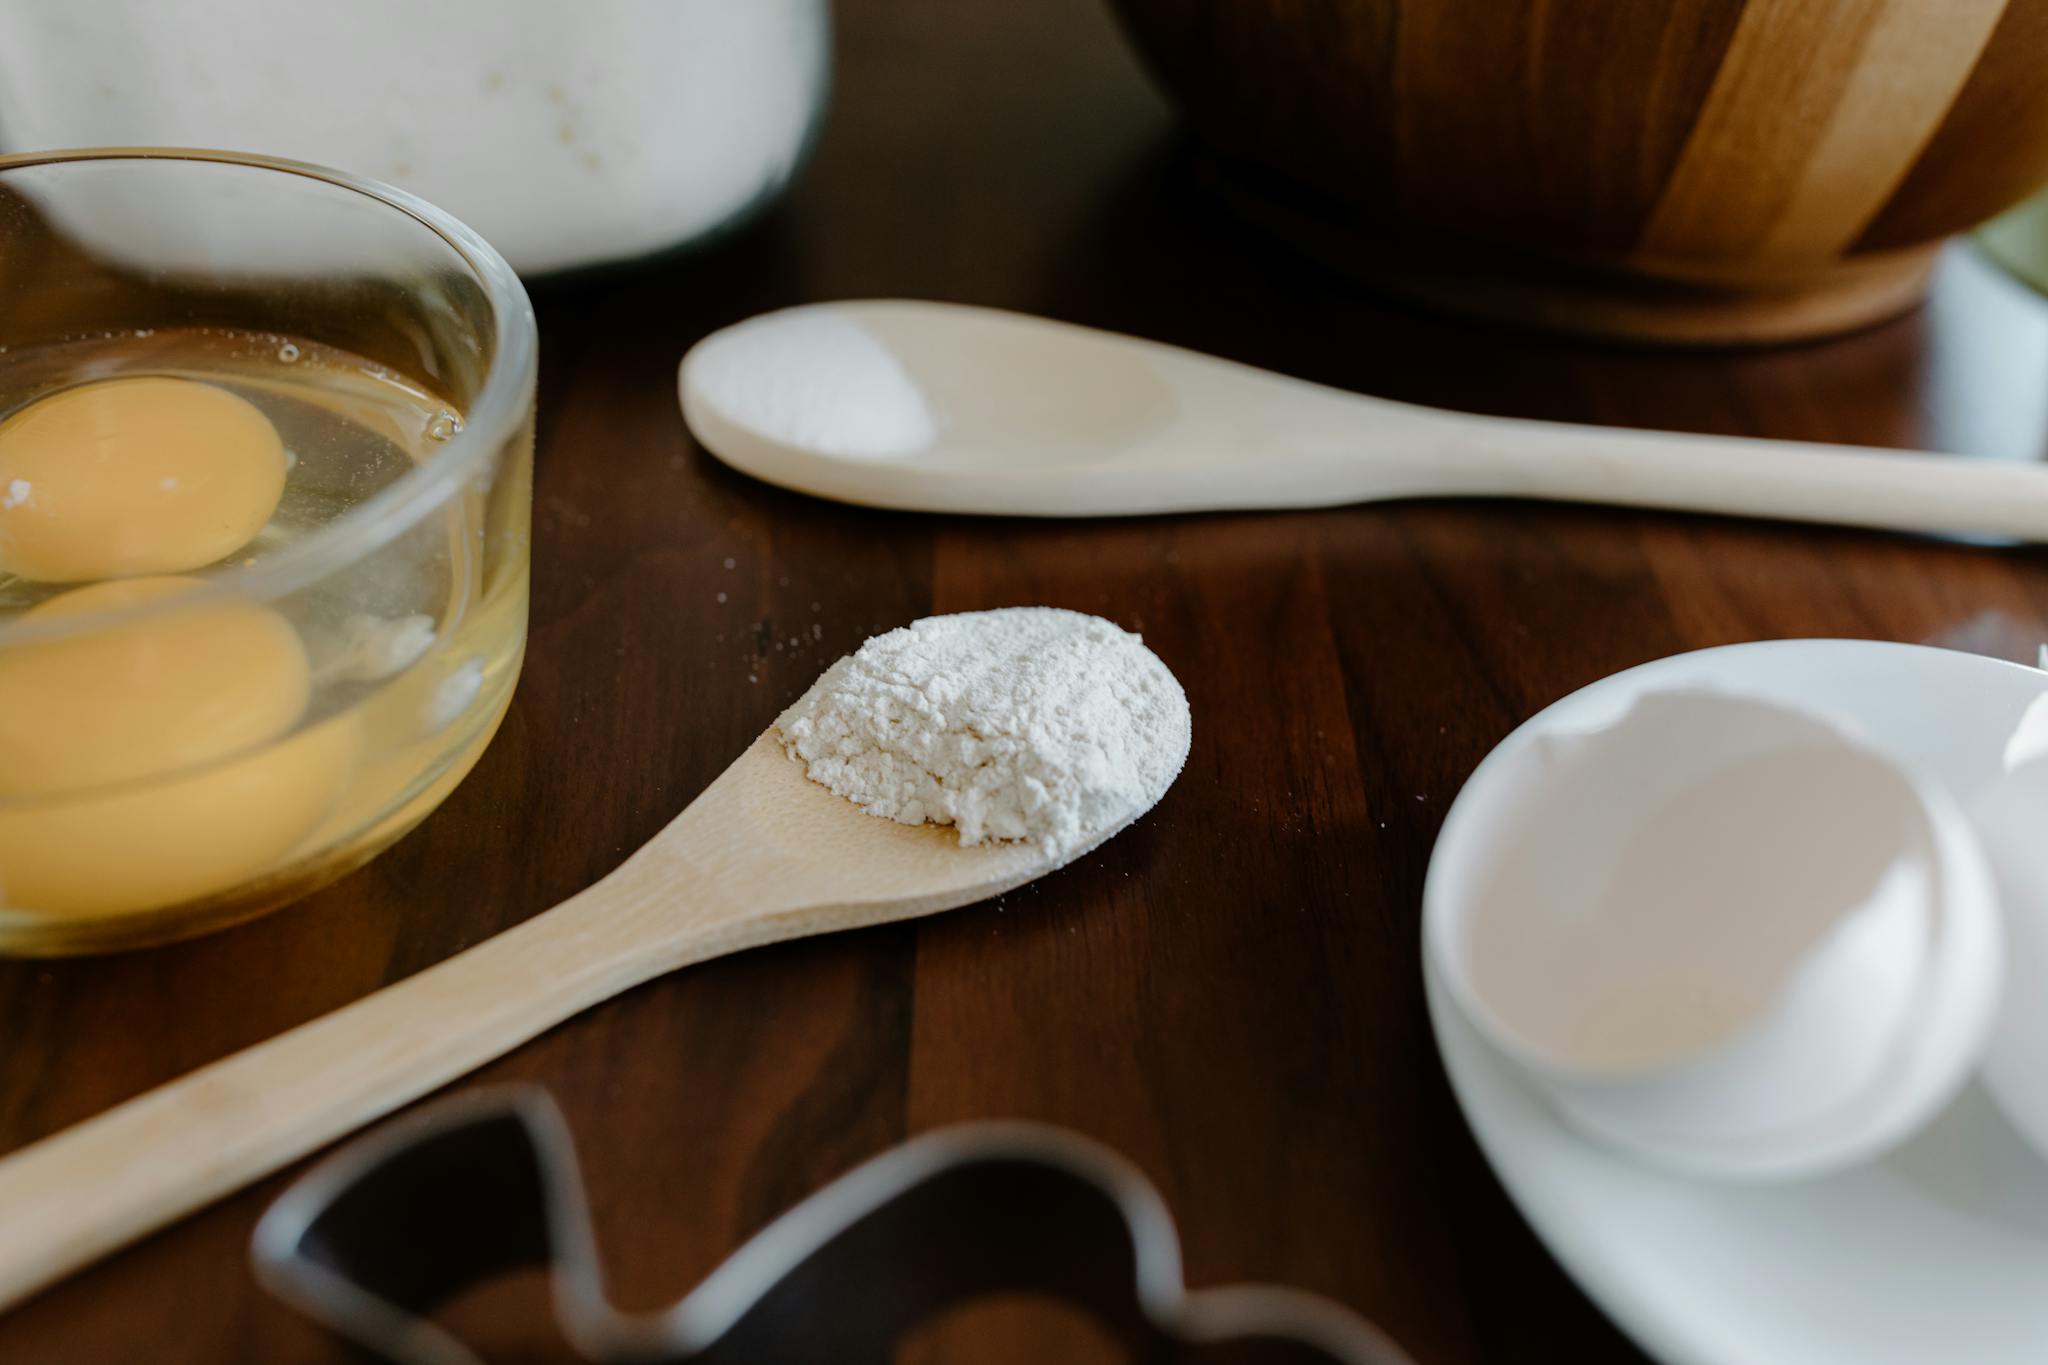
column 1029, row 723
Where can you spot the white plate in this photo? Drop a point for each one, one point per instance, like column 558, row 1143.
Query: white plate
column 1937, row 1253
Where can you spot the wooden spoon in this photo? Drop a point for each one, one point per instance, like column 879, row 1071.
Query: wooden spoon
column 959, row 409
column 763, row 854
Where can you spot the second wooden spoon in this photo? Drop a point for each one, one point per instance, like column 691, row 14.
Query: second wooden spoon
column 944, row 408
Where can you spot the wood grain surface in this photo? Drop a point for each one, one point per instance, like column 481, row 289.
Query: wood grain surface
column 1228, row 992
column 1719, row 170
column 1736, row 140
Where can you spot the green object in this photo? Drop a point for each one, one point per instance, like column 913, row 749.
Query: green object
column 2018, row 240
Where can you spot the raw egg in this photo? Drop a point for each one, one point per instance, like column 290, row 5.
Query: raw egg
column 144, row 763
column 134, row 476
column 171, row 842
column 150, row 697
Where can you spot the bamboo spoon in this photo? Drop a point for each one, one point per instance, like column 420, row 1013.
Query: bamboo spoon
column 763, row 854
column 973, row 410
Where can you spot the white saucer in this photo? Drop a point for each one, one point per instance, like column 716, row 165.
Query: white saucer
column 1936, row 1253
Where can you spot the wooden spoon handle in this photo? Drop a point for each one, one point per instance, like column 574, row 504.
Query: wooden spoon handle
column 75, row 1196
column 1787, row 480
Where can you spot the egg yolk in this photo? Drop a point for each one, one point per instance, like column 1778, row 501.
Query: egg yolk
column 172, row 842
column 141, row 764
column 134, row 476
column 155, row 696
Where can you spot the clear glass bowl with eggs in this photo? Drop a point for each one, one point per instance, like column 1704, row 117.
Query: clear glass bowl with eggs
column 265, row 485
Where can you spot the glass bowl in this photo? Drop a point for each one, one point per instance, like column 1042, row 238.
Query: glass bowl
column 184, row 748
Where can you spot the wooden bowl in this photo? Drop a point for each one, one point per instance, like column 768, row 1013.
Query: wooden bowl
column 1676, row 170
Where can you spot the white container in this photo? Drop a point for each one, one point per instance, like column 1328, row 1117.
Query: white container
column 568, row 134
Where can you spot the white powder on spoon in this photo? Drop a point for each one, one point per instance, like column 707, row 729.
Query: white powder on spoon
column 1028, row 723
column 816, row 380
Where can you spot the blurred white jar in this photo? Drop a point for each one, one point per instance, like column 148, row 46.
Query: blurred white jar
column 568, row 132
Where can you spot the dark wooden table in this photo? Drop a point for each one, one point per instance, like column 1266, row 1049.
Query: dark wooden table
column 1228, row 993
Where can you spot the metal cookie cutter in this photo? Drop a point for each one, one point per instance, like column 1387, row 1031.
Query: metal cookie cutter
column 378, row 1236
